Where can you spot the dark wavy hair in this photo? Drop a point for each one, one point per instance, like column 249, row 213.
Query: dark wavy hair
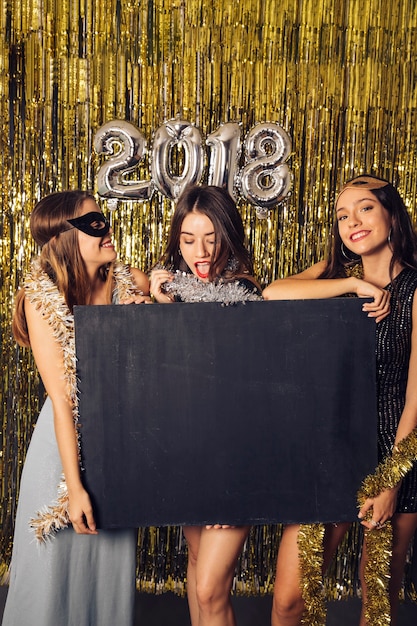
column 217, row 204
column 403, row 239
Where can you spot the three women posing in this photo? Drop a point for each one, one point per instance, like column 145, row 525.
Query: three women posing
column 77, row 265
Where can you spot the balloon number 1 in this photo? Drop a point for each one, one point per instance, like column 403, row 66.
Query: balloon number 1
column 264, row 180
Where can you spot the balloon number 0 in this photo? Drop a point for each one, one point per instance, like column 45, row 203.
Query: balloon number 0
column 264, row 180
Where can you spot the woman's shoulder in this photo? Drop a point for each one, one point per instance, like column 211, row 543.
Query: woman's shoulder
column 314, row 271
column 249, row 282
column 407, row 277
column 412, row 272
column 130, row 278
column 140, row 279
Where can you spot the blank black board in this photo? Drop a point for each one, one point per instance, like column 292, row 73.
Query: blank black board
column 255, row 413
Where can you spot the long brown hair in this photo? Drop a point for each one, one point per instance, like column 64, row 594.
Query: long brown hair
column 60, row 256
column 403, row 239
column 232, row 258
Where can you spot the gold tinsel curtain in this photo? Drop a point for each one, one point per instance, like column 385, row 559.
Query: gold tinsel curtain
column 339, row 77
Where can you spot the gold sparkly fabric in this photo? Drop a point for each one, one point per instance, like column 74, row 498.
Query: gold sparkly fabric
column 341, row 81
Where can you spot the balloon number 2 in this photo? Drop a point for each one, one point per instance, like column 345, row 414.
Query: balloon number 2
column 177, row 159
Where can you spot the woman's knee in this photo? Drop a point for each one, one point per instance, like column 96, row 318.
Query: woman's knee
column 288, row 605
column 211, row 596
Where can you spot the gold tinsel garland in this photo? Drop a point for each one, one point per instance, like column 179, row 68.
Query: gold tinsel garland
column 310, row 549
column 379, row 542
column 377, row 575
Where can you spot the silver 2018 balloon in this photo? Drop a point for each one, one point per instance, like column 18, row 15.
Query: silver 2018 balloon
column 127, row 145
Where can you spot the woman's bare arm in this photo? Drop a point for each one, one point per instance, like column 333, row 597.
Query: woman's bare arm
column 50, row 362
column 308, row 286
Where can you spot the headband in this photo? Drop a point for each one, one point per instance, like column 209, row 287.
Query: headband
column 363, row 182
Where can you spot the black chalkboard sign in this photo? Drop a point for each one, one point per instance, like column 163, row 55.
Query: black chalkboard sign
column 255, row 413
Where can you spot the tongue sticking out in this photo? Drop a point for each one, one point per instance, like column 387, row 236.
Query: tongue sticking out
column 202, row 269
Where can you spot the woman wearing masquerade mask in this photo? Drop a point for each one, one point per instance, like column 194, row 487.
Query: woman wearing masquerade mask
column 373, row 255
column 206, row 260
column 62, row 568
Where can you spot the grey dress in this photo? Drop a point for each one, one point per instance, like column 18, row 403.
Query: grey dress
column 70, row 579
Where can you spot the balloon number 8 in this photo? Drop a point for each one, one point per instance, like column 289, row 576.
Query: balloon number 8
column 264, row 180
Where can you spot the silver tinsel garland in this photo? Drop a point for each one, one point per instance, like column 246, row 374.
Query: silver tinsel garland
column 189, row 288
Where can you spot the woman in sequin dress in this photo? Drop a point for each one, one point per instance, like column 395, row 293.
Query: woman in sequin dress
column 372, row 228
column 206, row 246
column 64, row 571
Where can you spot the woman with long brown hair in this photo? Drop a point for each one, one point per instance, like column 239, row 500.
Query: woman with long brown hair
column 373, row 255
column 205, row 260
column 64, row 570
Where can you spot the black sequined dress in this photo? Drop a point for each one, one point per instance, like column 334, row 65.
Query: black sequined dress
column 393, row 347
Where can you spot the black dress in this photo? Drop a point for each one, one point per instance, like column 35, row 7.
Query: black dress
column 393, row 347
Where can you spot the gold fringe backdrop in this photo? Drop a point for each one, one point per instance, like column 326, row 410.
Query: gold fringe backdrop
column 339, row 77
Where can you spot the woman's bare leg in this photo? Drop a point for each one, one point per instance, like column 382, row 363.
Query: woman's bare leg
column 333, row 535
column 192, row 535
column 288, row 605
column 212, row 560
